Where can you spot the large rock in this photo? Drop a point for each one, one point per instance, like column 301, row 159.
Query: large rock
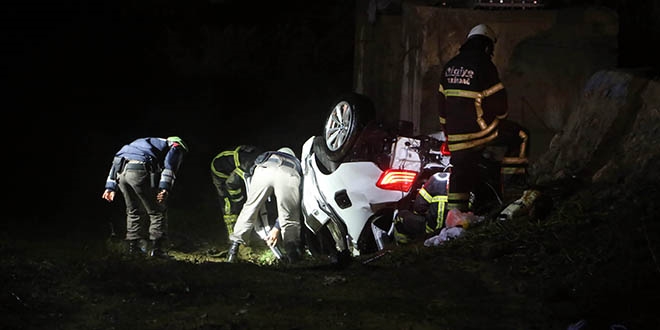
column 611, row 136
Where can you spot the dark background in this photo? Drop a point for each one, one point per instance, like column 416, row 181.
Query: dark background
column 85, row 77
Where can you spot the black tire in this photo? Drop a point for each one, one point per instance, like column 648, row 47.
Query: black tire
column 320, row 245
column 367, row 242
column 323, row 248
column 344, row 123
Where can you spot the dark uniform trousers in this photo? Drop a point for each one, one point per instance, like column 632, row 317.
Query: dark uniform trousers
column 135, row 183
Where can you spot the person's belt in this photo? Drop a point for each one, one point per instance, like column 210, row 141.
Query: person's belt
column 136, row 165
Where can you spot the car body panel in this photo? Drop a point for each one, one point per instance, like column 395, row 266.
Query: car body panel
column 359, row 177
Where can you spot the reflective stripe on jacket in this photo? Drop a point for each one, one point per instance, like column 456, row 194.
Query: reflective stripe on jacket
column 471, row 101
column 432, row 200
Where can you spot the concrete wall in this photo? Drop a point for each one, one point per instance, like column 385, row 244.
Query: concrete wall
column 544, row 58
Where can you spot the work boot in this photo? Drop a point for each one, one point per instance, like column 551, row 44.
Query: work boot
column 157, row 249
column 232, row 255
column 137, row 247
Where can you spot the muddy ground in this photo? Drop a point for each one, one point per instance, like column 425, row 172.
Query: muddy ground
column 587, row 254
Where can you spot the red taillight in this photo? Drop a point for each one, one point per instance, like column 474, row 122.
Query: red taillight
column 394, row 179
column 444, row 149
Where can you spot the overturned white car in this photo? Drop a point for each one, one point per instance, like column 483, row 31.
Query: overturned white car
column 357, row 174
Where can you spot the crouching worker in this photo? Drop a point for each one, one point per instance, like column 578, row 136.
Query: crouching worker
column 228, row 171
column 277, row 173
column 144, row 171
column 432, row 214
column 427, row 216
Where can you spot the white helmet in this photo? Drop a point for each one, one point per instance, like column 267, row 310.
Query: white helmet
column 287, row 150
column 484, row 30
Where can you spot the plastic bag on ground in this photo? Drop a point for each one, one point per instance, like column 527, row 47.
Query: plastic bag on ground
column 444, row 235
column 457, row 218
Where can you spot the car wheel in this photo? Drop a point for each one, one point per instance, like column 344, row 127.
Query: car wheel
column 321, row 244
column 344, row 123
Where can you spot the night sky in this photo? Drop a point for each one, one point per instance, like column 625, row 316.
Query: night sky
column 132, row 68
column 85, row 77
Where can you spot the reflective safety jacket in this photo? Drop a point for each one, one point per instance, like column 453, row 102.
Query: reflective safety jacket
column 471, row 101
column 229, row 169
column 431, row 201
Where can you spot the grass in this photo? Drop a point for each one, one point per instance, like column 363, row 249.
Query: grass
column 592, row 257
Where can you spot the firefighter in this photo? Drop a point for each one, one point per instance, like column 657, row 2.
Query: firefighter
column 279, row 174
column 144, row 170
column 228, row 169
column 473, row 107
column 428, row 213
